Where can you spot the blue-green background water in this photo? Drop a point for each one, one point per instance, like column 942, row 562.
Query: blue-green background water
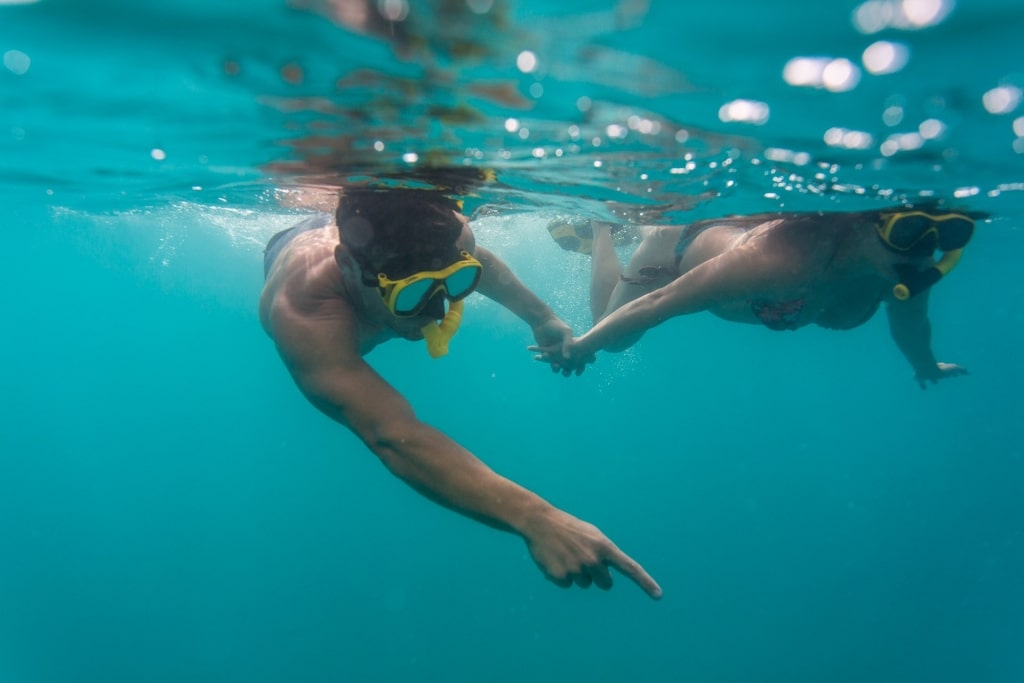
column 171, row 509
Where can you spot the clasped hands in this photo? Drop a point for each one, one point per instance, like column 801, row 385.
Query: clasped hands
column 556, row 346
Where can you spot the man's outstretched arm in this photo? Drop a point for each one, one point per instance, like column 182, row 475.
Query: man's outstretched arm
column 323, row 358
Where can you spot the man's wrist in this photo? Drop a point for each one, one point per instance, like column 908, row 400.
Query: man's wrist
column 539, row 316
column 530, row 517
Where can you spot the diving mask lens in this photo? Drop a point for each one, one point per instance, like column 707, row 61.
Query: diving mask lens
column 955, row 231
column 907, row 230
column 462, row 282
column 409, row 296
column 410, row 299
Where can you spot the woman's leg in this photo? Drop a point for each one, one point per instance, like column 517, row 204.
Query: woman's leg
column 652, row 265
column 605, row 269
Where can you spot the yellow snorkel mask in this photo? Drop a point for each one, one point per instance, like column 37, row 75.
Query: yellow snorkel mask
column 409, row 296
column 916, row 231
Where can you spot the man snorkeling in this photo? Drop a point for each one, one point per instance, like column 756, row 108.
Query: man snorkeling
column 780, row 270
column 399, row 263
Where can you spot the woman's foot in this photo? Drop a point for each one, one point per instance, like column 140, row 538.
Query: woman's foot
column 576, row 233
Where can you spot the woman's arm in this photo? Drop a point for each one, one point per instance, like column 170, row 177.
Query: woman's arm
column 912, row 332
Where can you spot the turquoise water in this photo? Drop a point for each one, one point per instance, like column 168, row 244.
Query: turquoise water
column 171, row 509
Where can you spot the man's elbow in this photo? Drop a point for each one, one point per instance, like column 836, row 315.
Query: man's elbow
column 388, row 434
column 390, row 441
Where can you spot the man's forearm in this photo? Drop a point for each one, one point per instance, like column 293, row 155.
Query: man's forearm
column 445, row 472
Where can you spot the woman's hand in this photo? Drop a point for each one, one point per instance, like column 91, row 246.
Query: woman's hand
column 940, row 371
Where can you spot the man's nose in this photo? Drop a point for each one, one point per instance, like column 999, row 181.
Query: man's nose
column 435, row 306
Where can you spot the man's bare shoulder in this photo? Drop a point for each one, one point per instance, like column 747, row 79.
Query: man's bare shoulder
column 307, row 248
column 305, row 279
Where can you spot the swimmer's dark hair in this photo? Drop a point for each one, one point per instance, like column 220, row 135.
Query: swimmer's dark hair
column 399, row 231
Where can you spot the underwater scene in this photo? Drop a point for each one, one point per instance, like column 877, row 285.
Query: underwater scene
column 211, row 470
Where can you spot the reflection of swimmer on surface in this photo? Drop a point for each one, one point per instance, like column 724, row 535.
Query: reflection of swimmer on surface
column 421, row 30
column 780, row 270
column 398, row 263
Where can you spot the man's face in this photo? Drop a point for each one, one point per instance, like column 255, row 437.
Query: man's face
column 446, row 276
column 418, row 300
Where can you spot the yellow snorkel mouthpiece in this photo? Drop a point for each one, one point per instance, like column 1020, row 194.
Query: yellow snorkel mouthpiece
column 901, row 292
column 437, row 335
column 916, row 281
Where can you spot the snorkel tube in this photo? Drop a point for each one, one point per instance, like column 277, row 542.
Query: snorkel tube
column 914, row 281
column 437, row 335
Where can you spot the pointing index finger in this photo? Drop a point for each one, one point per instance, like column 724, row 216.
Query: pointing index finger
column 632, row 570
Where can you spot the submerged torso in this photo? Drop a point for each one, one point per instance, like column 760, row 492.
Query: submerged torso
column 830, row 276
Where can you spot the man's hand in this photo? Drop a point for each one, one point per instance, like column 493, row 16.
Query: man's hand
column 570, row 551
column 554, row 338
column 552, row 335
column 568, row 358
column 941, row 371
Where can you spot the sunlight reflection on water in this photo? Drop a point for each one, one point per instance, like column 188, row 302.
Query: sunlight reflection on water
column 641, row 111
column 557, row 115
